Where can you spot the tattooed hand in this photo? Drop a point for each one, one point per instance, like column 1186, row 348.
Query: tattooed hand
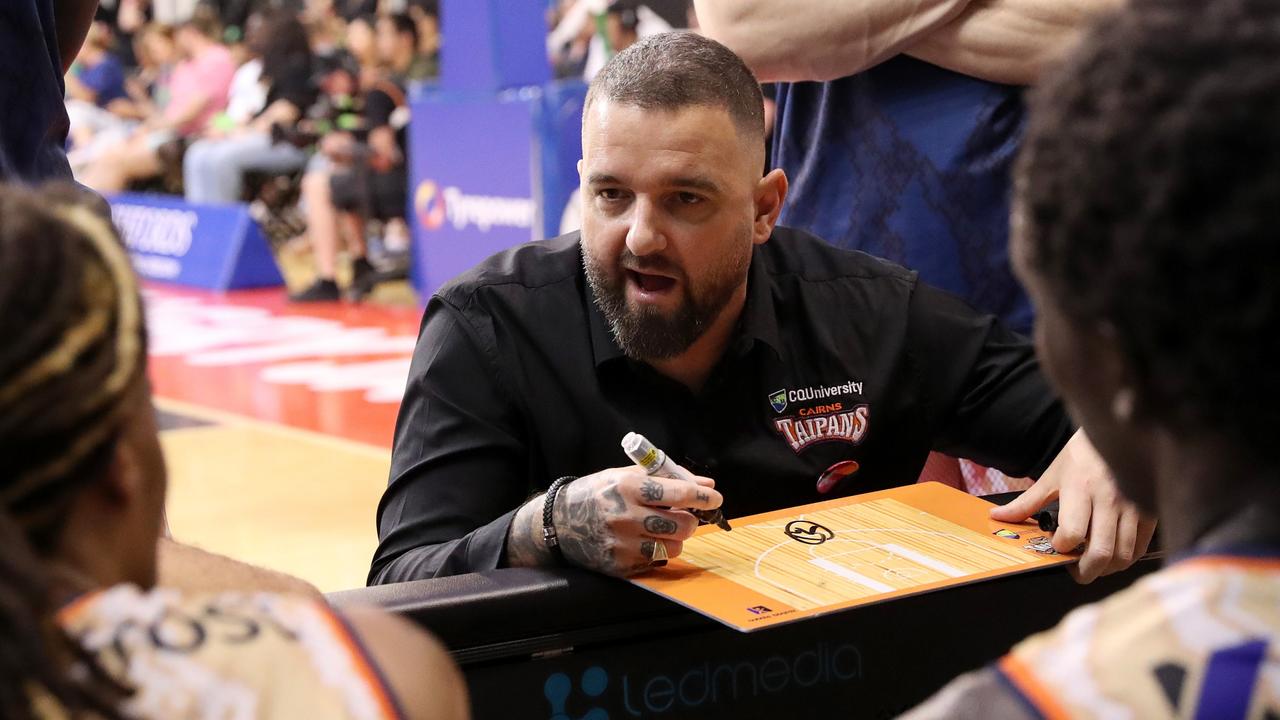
column 609, row 521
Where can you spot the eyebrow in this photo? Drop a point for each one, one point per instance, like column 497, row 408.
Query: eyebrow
column 693, row 183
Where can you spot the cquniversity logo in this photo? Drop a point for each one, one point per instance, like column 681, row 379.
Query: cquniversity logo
column 779, row 400
column 559, row 687
column 429, row 204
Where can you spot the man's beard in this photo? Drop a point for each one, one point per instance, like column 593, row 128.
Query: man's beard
column 646, row 333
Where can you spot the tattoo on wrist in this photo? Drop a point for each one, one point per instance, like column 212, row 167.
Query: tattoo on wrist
column 525, row 547
column 651, row 490
column 583, row 527
column 659, row 525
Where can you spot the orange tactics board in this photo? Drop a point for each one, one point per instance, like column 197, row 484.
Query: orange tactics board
column 788, row 565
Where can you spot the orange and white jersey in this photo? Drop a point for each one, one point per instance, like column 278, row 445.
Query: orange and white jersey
column 1200, row 639
column 231, row 656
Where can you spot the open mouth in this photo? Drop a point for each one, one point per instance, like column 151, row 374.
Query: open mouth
column 650, row 283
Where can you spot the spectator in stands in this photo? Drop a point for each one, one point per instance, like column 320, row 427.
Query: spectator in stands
column 146, row 88
column 351, row 9
column 81, row 497
column 1146, row 200
column 363, row 177
column 97, row 76
column 362, row 41
column 214, row 168
column 622, row 24
column 97, row 100
column 902, row 148
column 397, row 38
column 426, row 15
column 248, row 94
column 35, row 51
column 196, row 92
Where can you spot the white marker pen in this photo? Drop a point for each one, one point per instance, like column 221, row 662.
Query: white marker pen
column 658, row 463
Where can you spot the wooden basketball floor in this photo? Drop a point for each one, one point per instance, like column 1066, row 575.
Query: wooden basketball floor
column 276, row 421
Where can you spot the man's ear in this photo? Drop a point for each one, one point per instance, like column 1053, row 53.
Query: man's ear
column 770, row 193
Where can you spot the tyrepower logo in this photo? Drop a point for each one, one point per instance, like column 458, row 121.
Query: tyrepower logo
column 436, row 205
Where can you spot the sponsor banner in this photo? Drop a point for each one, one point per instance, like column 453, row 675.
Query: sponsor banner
column 472, row 189
column 506, row 44
column 215, row 247
column 557, row 148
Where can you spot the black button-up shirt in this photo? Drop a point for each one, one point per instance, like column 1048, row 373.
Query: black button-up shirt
column 838, row 356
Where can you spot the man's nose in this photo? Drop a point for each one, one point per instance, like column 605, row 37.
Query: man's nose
column 645, row 237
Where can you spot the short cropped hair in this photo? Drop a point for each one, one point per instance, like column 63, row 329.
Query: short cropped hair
column 676, row 70
column 1148, row 191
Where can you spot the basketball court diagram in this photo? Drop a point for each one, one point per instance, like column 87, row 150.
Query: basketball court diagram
column 874, row 548
column 787, row 565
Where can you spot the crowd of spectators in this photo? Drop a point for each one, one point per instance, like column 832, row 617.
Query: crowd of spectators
column 296, row 106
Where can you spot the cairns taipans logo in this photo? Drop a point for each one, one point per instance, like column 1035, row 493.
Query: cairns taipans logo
column 428, row 201
column 779, row 400
column 825, row 423
column 810, row 423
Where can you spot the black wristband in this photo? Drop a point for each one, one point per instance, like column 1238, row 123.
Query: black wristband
column 548, row 516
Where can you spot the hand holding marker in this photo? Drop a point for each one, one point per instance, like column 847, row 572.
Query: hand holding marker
column 658, row 463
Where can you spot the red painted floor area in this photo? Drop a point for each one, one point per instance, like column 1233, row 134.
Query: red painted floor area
column 333, row 368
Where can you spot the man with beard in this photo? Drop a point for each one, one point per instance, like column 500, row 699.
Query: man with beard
column 788, row 370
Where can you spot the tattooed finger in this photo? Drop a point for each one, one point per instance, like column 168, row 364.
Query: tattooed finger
column 651, row 491
column 659, row 525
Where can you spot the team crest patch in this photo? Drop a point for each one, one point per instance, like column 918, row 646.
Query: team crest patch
column 824, row 423
column 778, row 400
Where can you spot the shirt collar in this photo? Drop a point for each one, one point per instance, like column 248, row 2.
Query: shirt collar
column 758, row 323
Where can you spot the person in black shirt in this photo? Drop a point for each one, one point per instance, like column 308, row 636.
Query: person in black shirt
column 214, row 167
column 754, row 354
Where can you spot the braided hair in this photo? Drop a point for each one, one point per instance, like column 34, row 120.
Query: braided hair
column 73, row 351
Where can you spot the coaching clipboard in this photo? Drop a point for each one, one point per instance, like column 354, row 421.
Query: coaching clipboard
column 788, row 565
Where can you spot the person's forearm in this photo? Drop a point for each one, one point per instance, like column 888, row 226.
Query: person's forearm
column 480, row 549
column 1009, row 41
column 73, row 18
column 820, row 39
column 525, row 547
column 280, row 112
column 184, row 116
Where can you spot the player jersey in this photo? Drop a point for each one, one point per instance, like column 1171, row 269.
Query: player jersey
column 1200, row 639
column 31, row 139
column 229, row 656
column 909, row 162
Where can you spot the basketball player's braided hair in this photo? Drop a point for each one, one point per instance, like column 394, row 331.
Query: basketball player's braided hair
column 73, row 349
